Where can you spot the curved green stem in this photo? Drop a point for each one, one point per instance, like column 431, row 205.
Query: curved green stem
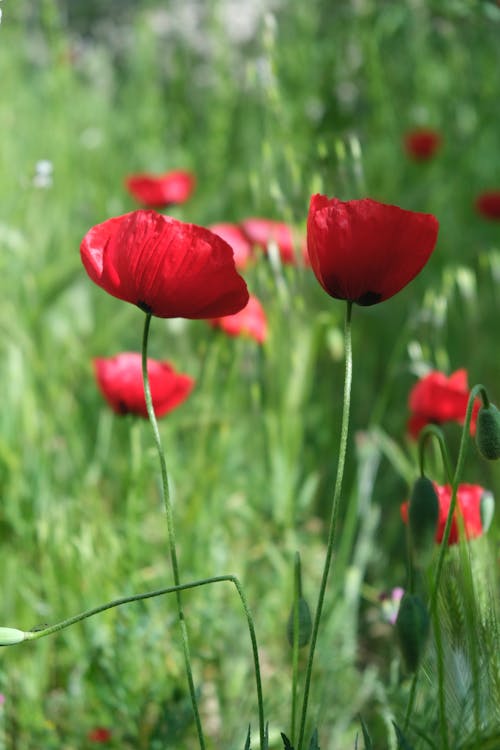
column 171, row 530
column 454, row 479
column 433, row 431
column 344, row 430
column 35, row 634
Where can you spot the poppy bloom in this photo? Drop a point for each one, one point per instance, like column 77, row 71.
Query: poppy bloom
column 233, row 235
column 120, row 381
column 422, row 143
column 364, row 251
column 251, row 321
column 166, row 267
column 262, row 232
column 474, row 503
column 158, row 191
column 99, row 734
column 488, row 204
column 436, row 399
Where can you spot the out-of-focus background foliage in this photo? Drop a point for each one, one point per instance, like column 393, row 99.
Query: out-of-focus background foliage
column 266, row 102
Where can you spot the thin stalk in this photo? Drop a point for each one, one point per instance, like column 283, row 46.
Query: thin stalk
column 171, row 530
column 35, row 634
column 344, row 430
column 297, row 593
column 429, row 431
column 454, row 479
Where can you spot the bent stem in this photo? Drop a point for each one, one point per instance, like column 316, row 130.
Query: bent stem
column 344, row 429
column 454, row 479
column 171, row 530
column 33, row 635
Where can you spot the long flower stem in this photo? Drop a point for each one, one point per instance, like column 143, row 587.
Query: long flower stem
column 35, row 634
column 171, row 529
column 333, row 518
column 454, row 479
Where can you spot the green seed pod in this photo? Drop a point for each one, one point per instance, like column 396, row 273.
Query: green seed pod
column 488, row 432
column 423, row 515
column 305, row 624
column 10, row 636
column 412, row 628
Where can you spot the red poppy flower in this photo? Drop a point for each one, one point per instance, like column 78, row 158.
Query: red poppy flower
column 233, row 235
column 436, row 399
column 262, row 232
column 158, row 191
column 251, row 321
column 488, row 204
column 364, row 251
column 120, row 381
column 422, row 143
column 99, row 734
column 473, row 502
column 166, row 267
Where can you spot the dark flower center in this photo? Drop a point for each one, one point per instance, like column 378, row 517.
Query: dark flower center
column 368, row 298
column 144, row 307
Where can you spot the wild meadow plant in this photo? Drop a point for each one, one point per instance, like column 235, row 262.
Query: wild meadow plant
column 362, row 252
column 396, row 101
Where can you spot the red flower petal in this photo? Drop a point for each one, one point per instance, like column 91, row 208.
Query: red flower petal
column 422, row 143
column 469, row 498
column 120, row 381
column 233, row 235
column 157, row 191
column 164, row 266
column 436, row 399
column 364, row 251
column 488, row 204
column 251, row 321
column 262, row 232
column 99, row 734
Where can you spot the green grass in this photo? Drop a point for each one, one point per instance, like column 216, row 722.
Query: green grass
column 316, row 98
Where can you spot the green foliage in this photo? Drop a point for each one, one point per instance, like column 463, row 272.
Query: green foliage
column 266, row 108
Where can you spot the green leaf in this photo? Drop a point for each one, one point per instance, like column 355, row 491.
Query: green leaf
column 247, row 742
column 314, row 743
column 286, row 742
column 366, row 736
column 403, row 743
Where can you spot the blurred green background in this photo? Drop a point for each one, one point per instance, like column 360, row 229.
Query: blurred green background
column 266, row 102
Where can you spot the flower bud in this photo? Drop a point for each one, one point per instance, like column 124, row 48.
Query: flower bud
column 488, row 432
column 305, row 624
column 412, row 628
column 423, row 515
column 10, row 636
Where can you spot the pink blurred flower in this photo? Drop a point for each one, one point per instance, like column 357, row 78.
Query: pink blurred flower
column 251, row 321
column 234, row 236
column 158, row 191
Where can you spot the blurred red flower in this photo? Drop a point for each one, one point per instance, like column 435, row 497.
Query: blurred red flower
column 470, row 499
column 436, row 399
column 120, row 381
column 488, row 204
column 158, row 191
column 233, row 235
column 251, row 321
column 422, row 143
column 99, row 734
column 262, row 232
column 164, row 266
column 365, row 251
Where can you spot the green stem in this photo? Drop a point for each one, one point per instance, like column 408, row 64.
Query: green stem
column 454, row 479
column 432, row 431
column 34, row 635
column 297, row 593
column 171, row 530
column 333, row 518
column 478, row 389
